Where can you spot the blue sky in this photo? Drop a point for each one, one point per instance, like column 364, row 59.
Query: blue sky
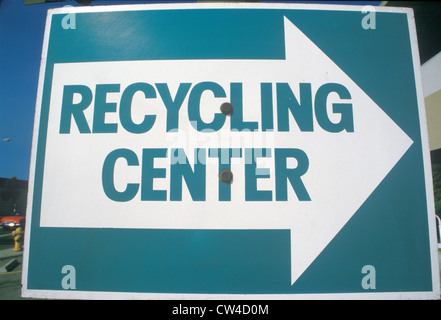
column 21, row 38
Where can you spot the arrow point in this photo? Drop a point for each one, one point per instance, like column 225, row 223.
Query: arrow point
column 301, row 255
column 292, row 36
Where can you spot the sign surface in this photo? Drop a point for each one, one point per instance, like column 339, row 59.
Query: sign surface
column 322, row 132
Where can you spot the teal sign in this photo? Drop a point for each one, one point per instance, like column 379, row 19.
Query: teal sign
column 212, row 150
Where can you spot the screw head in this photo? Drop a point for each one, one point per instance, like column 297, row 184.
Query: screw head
column 227, row 108
column 226, row 176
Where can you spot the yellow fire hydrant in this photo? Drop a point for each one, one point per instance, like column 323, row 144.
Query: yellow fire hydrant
column 18, row 237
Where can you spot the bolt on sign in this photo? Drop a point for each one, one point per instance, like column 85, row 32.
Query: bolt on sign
column 239, row 150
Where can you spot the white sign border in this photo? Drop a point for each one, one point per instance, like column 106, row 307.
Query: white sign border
column 434, row 294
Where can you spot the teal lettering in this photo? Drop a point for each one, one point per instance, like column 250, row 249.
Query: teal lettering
column 252, row 173
column 71, row 110
column 224, row 156
column 194, row 105
column 237, row 122
column 173, row 106
column 288, row 106
column 149, row 173
column 284, row 174
column 180, row 170
column 345, row 109
column 125, row 112
column 301, row 111
column 108, row 175
column 266, row 95
column 194, row 175
column 102, row 107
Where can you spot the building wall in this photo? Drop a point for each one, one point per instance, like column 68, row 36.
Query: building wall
column 431, row 78
column 433, row 112
column 6, row 205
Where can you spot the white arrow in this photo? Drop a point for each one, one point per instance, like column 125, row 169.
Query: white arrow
column 344, row 168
